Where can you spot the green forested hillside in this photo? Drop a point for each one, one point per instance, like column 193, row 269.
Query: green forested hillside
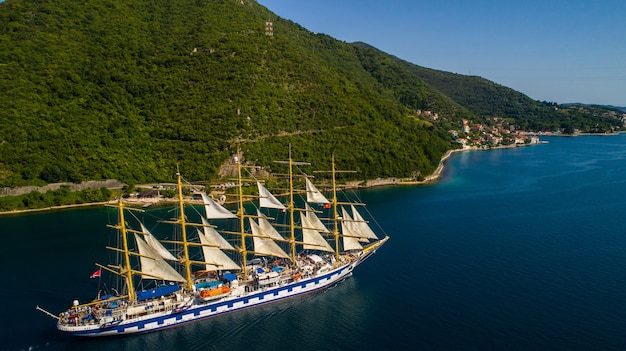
column 126, row 89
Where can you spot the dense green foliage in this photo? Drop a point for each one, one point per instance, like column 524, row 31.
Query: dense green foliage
column 125, row 89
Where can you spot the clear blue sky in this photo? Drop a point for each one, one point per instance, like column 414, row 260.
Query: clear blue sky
column 553, row 50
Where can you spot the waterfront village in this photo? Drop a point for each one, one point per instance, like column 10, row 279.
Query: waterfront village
column 497, row 133
column 482, row 136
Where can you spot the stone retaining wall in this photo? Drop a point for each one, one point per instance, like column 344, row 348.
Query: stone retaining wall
column 110, row 183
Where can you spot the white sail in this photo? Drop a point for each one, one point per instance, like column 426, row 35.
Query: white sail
column 156, row 245
column 264, row 245
column 361, row 226
column 351, row 226
column 153, row 266
column 350, row 239
column 267, row 229
column 215, row 210
column 267, row 200
column 311, row 238
column 314, row 220
column 313, row 195
column 215, row 258
column 214, row 238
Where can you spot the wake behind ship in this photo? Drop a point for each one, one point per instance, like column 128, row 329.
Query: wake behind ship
column 209, row 269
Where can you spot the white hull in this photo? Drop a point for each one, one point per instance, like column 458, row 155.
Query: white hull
column 237, row 300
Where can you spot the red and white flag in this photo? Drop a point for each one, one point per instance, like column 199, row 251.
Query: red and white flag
column 96, row 274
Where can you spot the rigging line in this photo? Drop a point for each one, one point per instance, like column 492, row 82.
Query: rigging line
column 149, row 213
column 197, row 211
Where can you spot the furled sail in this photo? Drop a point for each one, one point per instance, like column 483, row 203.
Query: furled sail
column 214, row 238
column 361, row 226
column 267, row 200
column 215, row 258
column 350, row 239
column 263, row 244
column 267, row 229
column 313, row 195
column 314, row 220
column 156, row 245
column 153, row 266
column 311, row 238
column 215, row 210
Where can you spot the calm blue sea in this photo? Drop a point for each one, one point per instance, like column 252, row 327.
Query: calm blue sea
column 514, row 249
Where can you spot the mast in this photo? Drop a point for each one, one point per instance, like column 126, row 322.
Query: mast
column 184, row 232
column 334, row 202
column 240, row 214
column 292, row 229
column 129, row 271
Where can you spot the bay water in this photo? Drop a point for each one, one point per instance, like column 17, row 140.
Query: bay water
column 512, row 249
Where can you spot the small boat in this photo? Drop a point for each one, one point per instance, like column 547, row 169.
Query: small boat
column 209, row 270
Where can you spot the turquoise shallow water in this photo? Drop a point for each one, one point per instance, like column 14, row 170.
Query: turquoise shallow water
column 514, row 249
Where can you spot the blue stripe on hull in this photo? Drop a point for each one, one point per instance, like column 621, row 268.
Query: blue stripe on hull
column 195, row 313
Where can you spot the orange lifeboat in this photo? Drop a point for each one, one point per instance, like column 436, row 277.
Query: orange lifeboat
column 215, row 292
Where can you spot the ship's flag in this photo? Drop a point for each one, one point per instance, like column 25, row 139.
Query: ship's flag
column 96, row 274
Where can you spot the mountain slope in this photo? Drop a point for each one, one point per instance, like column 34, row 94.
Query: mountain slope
column 119, row 89
column 488, row 99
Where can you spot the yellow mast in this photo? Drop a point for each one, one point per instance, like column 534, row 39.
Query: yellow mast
column 292, row 229
column 129, row 271
column 240, row 214
column 184, row 232
column 334, row 204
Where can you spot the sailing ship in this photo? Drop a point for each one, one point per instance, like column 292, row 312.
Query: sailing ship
column 206, row 275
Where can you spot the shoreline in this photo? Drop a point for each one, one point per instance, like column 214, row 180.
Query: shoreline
column 52, row 208
column 368, row 184
column 439, row 170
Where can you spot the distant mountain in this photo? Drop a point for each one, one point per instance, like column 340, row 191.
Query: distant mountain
column 610, row 107
column 128, row 89
column 488, row 99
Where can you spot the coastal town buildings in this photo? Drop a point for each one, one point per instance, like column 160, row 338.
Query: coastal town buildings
column 493, row 134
